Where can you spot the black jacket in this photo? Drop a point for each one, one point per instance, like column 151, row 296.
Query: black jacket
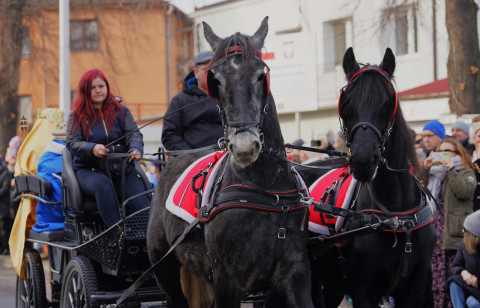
column 81, row 149
column 465, row 261
column 5, row 180
column 194, row 126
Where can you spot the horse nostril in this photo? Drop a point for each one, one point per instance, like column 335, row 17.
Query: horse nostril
column 258, row 146
column 230, row 147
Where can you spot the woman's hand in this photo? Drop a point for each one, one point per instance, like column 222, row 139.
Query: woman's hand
column 428, row 162
column 469, row 278
column 449, row 165
column 99, row 150
column 135, row 155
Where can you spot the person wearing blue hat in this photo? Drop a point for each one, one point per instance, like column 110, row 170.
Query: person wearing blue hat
column 433, row 134
column 188, row 125
column 461, row 132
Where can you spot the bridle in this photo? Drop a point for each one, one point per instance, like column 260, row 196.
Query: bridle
column 212, row 90
column 382, row 138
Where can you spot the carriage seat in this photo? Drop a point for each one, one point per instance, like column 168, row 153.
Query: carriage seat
column 72, row 194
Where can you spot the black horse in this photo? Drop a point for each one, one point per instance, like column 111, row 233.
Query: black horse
column 383, row 160
column 242, row 249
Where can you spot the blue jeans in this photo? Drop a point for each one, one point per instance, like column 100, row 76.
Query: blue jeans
column 458, row 297
column 97, row 185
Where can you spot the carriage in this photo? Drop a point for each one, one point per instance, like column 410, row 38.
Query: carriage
column 89, row 265
column 257, row 187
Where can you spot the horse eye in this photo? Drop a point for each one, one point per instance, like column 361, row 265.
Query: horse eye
column 261, row 77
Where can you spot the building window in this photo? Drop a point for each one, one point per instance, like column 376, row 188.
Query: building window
column 83, row 35
column 336, row 35
column 26, row 44
column 401, row 31
column 25, row 108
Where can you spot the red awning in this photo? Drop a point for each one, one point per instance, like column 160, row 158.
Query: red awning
column 436, row 89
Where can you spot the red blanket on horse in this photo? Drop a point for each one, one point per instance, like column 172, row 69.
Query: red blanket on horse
column 342, row 182
column 182, row 200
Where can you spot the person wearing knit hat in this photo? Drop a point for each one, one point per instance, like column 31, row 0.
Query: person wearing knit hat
column 465, row 269
column 461, row 132
column 433, row 133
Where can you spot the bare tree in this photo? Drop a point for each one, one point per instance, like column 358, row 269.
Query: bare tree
column 12, row 34
column 463, row 57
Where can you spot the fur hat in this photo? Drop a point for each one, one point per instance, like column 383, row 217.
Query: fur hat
column 435, row 127
column 472, row 223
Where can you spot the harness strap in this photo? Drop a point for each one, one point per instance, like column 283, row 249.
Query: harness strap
column 282, row 232
column 323, row 164
column 214, row 147
column 148, row 272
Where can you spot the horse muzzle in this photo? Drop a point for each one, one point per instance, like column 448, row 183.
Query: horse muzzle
column 244, row 147
column 364, row 162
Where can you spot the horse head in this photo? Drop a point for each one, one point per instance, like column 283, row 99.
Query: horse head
column 238, row 78
column 367, row 107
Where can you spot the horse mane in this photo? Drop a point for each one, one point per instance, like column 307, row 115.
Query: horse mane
column 400, row 140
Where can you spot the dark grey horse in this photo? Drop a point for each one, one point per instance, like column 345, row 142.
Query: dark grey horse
column 240, row 250
column 382, row 159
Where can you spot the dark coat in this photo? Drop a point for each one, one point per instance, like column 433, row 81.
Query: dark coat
column 476, row 197
column 5, row 180
column 465, row 261
column 195, row 126
column 82, row 149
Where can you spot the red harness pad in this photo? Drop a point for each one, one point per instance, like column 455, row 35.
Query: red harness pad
column 344, row 196
column 182, row 200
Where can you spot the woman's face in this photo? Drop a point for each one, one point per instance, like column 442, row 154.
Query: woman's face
column 99, row 91
column 476, row 138
column 448, row 147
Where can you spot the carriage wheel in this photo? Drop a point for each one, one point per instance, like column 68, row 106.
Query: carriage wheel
column 31, row 291
column 79, row 284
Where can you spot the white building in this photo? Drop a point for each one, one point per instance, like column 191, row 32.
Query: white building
column 306, row 43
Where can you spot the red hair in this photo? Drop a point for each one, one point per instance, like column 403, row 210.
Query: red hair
column 84, row 113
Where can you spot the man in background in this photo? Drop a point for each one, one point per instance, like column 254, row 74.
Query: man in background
column 188, row 124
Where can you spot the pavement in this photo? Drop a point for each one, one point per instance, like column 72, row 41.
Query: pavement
column 8, row 285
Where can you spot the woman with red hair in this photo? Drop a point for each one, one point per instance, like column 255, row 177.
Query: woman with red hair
column 98, row 119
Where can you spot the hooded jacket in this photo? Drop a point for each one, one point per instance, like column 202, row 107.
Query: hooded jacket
column 195, row 126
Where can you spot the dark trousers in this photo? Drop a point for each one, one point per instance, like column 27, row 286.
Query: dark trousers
column 5, row 228
column 97, row 185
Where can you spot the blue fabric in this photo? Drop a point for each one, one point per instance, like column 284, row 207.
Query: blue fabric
column 50, row 217
column 457, row 295
column 435, row 127
column 472, row 302
column 192, row 82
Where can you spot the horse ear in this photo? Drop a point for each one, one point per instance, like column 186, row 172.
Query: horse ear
column 388, row 62
column 210, row 36
column 259, row 37
column 350, row 65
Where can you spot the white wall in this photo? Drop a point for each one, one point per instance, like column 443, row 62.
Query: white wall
column 365, row 34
